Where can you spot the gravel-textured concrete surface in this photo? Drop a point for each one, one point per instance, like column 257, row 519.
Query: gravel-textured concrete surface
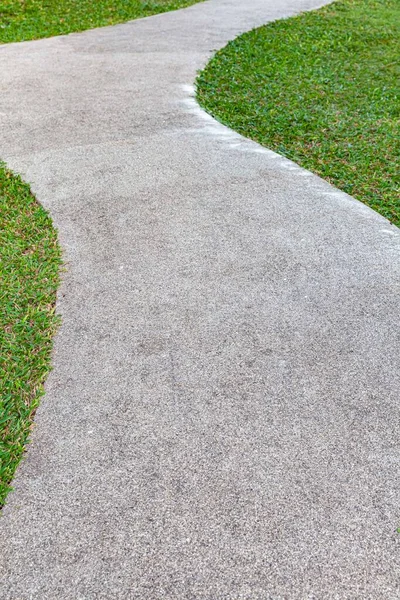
column 222, row 418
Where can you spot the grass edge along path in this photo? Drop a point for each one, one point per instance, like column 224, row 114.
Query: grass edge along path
column 35, row 19
column 322, row 89
column 30, row 260
column 30, row 257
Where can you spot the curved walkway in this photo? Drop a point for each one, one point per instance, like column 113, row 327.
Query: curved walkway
column 222, row 418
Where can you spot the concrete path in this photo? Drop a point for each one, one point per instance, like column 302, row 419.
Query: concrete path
column 222, row 421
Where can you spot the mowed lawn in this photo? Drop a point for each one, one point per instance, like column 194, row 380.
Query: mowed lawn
column 33, row 19
column 322, row 89
column 30, row 259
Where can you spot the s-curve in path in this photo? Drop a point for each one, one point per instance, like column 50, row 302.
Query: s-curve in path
column 222, row 421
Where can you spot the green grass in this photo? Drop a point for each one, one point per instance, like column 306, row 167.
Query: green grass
column 30, row 259
column 33, row 19
column 322, row 89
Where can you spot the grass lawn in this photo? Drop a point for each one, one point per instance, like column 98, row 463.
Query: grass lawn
column 33, row 19
column 29, row 264
column 322, row 89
